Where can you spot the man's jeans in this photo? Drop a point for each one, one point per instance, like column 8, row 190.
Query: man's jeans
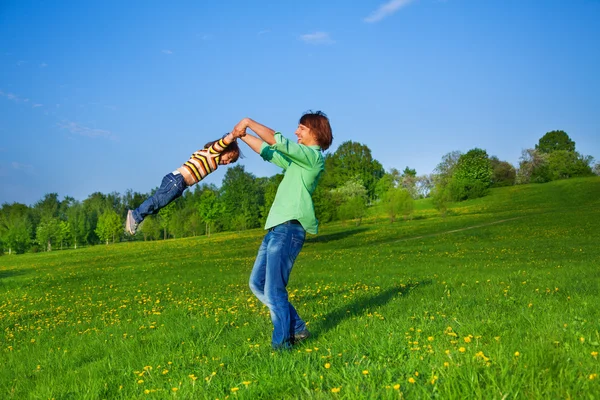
column 172, row 187
column 269, row 279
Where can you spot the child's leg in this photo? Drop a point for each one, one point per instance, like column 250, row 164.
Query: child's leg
column 172, row 187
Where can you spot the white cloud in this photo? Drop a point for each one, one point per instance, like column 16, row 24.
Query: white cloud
column 387, row 9
column 167, row 51
column 22, row 167
column 317, row 38
column 43, row 65
column 81, row 130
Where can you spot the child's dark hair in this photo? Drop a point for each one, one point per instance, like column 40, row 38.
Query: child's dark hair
column 318, row 123
column 232, row 149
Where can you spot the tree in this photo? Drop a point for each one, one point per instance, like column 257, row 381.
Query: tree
column 78, row 223
column 354, row 160
column 398, row 201
column 150, row 228
column 210, row 209
column 164, row 217
column 15, row 227
column 46, row 208
column 533, row 167
column 242, row 197
column 472, row 175
column 109, row 226
column 442, row 177
column 596, row 169
column 48, row 232
column 424, row 185
column 409, row 182
column 553, row 141
column 563, row 164
column 352, row 200
column 503, row 173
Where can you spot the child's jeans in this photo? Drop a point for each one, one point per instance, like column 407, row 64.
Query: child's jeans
column 172, row 187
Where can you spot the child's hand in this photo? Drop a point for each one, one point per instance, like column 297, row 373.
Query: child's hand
column 240, row 129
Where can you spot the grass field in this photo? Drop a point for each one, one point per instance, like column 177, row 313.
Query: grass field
column 498, row 300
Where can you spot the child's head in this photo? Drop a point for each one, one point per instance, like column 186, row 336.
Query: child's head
column 318, row 123
column 229, row 155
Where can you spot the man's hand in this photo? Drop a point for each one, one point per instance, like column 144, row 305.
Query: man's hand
column 240, row 129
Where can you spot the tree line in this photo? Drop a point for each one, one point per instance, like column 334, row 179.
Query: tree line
column 353, row 180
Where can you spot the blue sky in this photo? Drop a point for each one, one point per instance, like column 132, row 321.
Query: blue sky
column 111, row 95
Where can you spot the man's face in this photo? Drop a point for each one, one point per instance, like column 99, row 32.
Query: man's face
column 305, row 135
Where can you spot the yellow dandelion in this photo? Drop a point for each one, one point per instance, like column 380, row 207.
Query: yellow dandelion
column 517, row 354
column 165, row 371
column 467, row 339
column 411, row 380
column 446, row 364
column 396, row 387
column 594, row 354
column 335, row 390
column 430, row 338
column 593, row 376
column 462, row 349
column 365, row 372
column 193, row 377
column 140, row 381
column 146, row 391
column 246, row 383
column 174, row 389
column 235, row 389
column 327, row 365
column 416, row 373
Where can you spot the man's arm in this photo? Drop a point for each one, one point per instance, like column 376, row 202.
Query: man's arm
column 253, row 142
column 265, row 133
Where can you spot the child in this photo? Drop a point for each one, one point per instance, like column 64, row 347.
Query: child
column 220, row 152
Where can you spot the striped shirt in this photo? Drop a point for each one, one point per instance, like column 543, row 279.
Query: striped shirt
column 202, row 162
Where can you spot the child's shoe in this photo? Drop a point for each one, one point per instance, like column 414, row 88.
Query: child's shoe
column 130, row 224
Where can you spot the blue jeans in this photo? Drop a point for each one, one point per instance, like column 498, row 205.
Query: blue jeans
column 269, row 279
column 172, row 187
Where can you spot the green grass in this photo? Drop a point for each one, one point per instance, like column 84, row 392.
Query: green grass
column 465, row 306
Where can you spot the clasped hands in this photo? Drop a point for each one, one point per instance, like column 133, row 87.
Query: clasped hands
column 240, row 129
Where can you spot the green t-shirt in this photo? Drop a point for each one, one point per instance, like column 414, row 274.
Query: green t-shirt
column 302, row 167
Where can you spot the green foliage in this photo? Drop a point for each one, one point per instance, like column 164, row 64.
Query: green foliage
column 398, row 201
column 503, row 173
column 242, row 197
column 353, row 160
column 109, row 226
column 165, row 215
column 555, row 140
column 210, row 209
column 48, row 232
column 472, row 176
column 538, row 167
column 15, row 227
column 351, row 199
column 150, row 228
column 563, row 164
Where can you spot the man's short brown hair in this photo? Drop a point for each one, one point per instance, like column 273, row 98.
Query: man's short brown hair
column 318, row 123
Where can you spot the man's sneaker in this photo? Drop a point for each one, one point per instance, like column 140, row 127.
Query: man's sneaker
column 300, row 336
column 130, row 224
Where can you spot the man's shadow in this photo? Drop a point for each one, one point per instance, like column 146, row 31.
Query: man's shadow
column 334, row 236
column 10, row 273
column 361, row 305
